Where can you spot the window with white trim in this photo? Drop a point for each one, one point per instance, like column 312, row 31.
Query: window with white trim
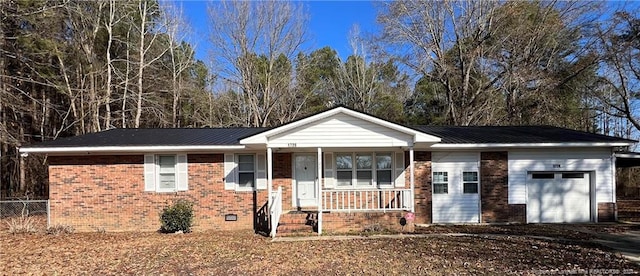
column 364, row 169
column 440, row 183
column 344, row 169
column 470, row 182
column 166, row 172
column 246, row 171
column 384, row 169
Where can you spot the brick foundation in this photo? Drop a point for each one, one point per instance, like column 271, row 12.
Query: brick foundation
column 628, row 210
column 359, row 222
column 606, row 212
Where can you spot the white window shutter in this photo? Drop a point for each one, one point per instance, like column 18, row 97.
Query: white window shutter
column 329, row 177
column 183, row 172
column 230, row 168
column 261, row 175
column 399, row 169
column 149, row 172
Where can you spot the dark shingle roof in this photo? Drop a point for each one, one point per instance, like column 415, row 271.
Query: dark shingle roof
column 232, row 136
column 156, row 137
column 514, row 135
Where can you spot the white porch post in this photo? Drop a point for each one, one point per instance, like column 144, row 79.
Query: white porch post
column 412, row 180
column 319, row 191
column 269, row 178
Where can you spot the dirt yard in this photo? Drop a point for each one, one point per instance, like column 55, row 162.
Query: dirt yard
column 215, row 253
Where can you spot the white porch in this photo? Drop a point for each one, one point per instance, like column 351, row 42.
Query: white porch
column 360, row 164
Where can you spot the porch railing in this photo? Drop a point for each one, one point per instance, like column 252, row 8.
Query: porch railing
column 367, row 200
column 275, row 211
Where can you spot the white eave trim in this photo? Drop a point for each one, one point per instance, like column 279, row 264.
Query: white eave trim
column 629, row 155
column 419, row 137
column 529, row 145
column 122, row 149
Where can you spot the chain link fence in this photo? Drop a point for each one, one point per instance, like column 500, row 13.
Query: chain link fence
column 36, row 210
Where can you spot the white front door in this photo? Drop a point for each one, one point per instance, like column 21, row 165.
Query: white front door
column 305, row 171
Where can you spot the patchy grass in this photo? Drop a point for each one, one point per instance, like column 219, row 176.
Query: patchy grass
column 246, row 253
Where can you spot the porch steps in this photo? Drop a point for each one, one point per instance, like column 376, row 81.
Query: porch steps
column 297, row 223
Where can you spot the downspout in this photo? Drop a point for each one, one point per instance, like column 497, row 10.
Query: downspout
column 613, row 189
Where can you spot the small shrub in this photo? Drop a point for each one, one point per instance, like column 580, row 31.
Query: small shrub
column 22, row 224
column 59, row 229
column 177, row 217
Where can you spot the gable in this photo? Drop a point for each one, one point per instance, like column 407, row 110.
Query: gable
column 341, row 127
column 341, row 130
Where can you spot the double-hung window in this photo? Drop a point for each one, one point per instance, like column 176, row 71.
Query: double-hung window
column 344, row 169
column 440, row 183
column 364, row 169
column 166, row 172
column 384, row 169
column 470, row 182
column 246, row 171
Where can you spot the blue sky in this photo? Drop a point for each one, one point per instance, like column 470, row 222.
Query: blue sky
column 329, row 24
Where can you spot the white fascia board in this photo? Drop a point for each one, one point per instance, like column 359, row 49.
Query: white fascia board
column 529, row 145
column 630, row 155
column 123, row 149
column 261, row 138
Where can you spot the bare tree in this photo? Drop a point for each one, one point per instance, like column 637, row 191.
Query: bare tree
column 249, row 42
column 619, row 92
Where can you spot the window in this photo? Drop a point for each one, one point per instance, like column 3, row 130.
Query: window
column 440, row 183
column 246, row 171
column 572, row 175
column 542, row 176
column 383, row 169
column 364, row 169
column 470, row 182
column 166, row 172
column 344, row 168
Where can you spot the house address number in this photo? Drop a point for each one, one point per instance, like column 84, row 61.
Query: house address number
column 292, row 145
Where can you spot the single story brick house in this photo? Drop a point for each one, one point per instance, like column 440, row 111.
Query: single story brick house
column 341, row 168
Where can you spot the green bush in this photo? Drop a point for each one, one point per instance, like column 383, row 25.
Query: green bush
column 177, row 217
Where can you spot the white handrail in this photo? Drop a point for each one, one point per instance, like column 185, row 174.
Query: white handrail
column 358, row 200
column 275, row 211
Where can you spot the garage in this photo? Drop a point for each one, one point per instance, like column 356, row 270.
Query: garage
column 558, row 197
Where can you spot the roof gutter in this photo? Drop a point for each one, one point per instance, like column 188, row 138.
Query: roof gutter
column 530, row 145
column 122, row 149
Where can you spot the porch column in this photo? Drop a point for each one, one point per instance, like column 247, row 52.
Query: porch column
column 412, row 180
column 269, row 177
column 319, row 191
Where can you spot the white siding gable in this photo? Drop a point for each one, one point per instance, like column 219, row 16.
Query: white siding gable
column 341, row 130
column 596, row 160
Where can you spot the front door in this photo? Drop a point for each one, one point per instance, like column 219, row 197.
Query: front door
column 305, row 171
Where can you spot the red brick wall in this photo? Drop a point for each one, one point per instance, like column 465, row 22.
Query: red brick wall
column 360, row 221
column 628, row 210
column 422, row 170
column 494, row 190
column 107, row 192
column 606, row 212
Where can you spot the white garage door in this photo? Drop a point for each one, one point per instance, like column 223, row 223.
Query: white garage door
column 556, row 197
